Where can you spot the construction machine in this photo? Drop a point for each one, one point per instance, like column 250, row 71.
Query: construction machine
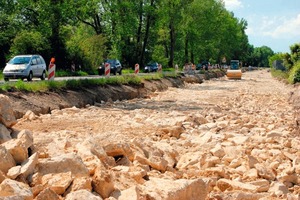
column 234, row 72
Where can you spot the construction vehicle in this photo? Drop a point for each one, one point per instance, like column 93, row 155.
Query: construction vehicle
column 234, row 72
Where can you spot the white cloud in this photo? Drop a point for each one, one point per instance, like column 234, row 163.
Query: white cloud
column 232, row 4
column 284, row 28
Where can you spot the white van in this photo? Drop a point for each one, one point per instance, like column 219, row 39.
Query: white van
column 25, row 66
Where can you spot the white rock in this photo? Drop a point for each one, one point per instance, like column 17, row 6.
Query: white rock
column 263, row 184
column 265, row 172
column 28, row 166
column 11, row 188
column 6, row 161
column 225, row 184
column 278, row 189
column 239, row 140
column 7, row 117
column 218, row 151
column 103, row 182
column 190, row 158
column 17, row 150
column 4, row 134
column 163, row 189
column 64, row 163
column 29, row 115
column 251, row 174
column 132, row 193
column 14, row 172
column 57, row 182
column 47, row 194
column 82, row 194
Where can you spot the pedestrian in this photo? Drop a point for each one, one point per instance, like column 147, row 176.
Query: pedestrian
column 176, row 68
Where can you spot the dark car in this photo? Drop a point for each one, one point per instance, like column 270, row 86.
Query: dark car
column 115, row 67
column 151, row 67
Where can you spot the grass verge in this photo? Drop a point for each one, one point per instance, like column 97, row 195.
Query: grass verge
column 279, row 74
column 75, row 84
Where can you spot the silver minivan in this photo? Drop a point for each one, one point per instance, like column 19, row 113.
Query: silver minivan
column 25, row 66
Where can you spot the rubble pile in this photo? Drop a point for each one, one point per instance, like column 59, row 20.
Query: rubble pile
column 242, row 146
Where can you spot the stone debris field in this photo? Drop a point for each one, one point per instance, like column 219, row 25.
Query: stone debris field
column 222, row 139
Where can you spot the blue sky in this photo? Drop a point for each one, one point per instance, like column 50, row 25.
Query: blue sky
column 273, row 23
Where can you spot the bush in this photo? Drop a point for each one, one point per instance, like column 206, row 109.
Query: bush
column 29, row 42
column 279, row 74
column 294, row 76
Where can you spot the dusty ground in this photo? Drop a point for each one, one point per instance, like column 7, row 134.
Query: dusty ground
column 257, row 103
column 140, row 117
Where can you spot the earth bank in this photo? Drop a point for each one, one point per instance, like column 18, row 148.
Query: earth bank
column 217, row 140
column 45, row 102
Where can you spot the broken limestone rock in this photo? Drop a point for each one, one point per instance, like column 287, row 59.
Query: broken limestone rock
column 57, row 182
column 7, row 116
column 12, row 188
column 103, row 182
column 7, row 161
column 82, row 194
column 65, row 163
column 48, row 194
column 164, row 189
column 4, row 134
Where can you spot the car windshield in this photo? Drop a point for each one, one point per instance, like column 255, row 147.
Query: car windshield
column 152, row 64
column 19, row 60
column 110, row 61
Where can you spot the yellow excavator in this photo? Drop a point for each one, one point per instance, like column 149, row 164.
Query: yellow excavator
column 234, row 72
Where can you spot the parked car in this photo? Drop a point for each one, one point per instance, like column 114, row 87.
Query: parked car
column 151, row 67
column 115, row 67
column 25, row 66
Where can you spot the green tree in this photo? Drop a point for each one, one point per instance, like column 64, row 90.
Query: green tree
column 261, row 56
column 8, row 28
column 295, row 52
column 29, row 42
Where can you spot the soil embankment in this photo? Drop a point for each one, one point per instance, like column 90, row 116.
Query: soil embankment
column 45, row 102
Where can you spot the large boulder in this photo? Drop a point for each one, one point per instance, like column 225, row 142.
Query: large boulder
column 7, row 116
column 26, row 168
column 47, row 194
column 19, row 145
column 57, row 182
column 4, row 134
column 103, row 182
column 15, row 190
column 82, row 194
column 65, row 163
column 17, row 150
column 165, row 189
column 7, row 161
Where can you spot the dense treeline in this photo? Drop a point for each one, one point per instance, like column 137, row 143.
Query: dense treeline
column 134, row 31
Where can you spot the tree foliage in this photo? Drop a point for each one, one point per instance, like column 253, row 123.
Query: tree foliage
column 134, row 31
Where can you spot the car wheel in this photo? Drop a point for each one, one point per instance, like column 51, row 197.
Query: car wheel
column 115, row 72
column 43, row 77
column 120, row 72
column 6, row 79
column 30, row 76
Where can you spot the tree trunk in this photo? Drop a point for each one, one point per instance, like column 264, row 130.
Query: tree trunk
column 172, row 43
column 186, row 50
column 139, row 48
column 147, row 31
